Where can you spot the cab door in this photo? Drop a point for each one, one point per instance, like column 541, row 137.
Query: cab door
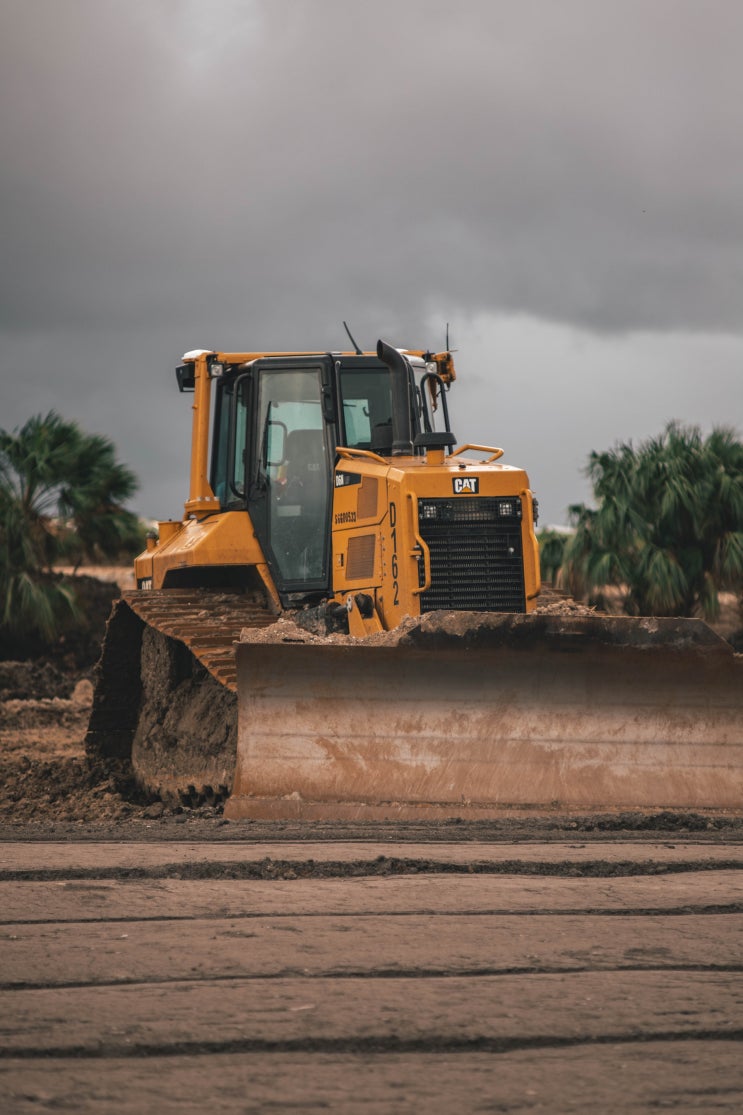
column 293, row 452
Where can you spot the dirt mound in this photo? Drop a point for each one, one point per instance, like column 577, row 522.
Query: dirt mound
column 45, row 777
column 42, row 767
column 44, row 709
column 308, row 625
column 27, row 681
column 61, row 789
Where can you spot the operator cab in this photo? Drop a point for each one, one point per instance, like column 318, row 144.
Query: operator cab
column 277, row 423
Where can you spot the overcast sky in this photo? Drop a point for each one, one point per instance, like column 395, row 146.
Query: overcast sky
column 561, row 180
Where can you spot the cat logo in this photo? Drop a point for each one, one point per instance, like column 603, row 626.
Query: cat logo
column 466, row 485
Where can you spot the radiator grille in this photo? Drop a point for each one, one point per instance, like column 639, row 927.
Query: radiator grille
column 476, row 554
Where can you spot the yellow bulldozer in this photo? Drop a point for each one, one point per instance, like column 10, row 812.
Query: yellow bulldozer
column 416, row 677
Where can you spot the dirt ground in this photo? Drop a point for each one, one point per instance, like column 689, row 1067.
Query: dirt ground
column 48, row 789
column 169, row 959
column 371, row 977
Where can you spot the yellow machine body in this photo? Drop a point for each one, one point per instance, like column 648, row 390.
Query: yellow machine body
column 378, row 548
column 337, row 496
column 378, row 552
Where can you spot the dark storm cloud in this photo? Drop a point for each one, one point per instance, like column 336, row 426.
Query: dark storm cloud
column 181, row 173
column 287, row 162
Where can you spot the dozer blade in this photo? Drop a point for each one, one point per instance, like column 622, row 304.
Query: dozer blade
column 464, row 714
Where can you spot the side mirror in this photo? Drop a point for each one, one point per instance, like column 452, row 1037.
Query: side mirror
column 186, row 376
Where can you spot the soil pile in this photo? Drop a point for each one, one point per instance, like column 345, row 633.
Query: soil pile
column 46, row 781
column 45, row 696
column 43, row 717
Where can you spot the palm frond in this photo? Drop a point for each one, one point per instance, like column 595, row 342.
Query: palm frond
column 668, row 521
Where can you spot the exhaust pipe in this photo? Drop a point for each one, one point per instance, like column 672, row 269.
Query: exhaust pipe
column 402, row 442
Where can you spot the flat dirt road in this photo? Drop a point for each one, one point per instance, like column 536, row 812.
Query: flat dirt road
column 260, row 974
column 167, row 960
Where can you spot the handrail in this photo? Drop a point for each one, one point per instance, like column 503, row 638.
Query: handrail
column 347, row 453
column 496, row 453
column 412, row 496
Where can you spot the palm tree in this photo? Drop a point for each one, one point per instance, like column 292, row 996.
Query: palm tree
column 668, row 524
column 92, row 501
column 551, row 553
column 60, row 496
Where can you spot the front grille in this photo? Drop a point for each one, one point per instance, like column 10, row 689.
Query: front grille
column 476, row 554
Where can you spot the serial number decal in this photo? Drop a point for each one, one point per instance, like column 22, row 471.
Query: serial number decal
column 345, row 517
column 395, row 566
column 466, row 485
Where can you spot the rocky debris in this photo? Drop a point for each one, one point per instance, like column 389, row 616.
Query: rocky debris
column 555, row 625
column 288, row 630
column 566, row 607
column 306, row 626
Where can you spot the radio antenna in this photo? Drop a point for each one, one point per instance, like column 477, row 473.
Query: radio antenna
column 359, row 352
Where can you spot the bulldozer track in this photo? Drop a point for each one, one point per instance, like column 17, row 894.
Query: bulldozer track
column 207, row 621
column 145, row 703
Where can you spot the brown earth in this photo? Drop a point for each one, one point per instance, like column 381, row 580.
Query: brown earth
column 152, row 957
column 48, row 786
column 146, row 976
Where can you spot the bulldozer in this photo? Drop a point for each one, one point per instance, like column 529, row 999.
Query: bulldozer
column 343, row 624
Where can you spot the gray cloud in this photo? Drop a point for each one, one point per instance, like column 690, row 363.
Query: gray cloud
column 248, row 174
column 577, row 161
